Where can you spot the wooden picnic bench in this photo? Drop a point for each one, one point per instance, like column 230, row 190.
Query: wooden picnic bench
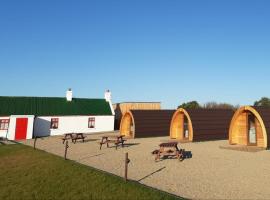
column 78, row 136
column 115, row 139
column 73, row 137
column 169, row 149
column 67, row 136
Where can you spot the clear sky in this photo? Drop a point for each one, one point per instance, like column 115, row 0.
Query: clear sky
column 142, row 50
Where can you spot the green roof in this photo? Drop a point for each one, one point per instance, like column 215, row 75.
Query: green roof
column 52, row 106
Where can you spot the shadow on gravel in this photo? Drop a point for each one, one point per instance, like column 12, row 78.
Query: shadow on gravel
column 159, row 170
column 90, row 156
column 130, row 144
column 126, row 145
column 88, row 140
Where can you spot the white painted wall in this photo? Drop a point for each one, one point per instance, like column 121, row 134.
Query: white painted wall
column 12, row 126
column 3, row 133
column 69, row 124
column 40, row 126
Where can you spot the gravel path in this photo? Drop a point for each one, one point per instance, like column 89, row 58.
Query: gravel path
column 212, row 172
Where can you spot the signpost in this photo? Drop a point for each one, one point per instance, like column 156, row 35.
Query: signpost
column 66, row 147
column 127, row 161
column 35, row 141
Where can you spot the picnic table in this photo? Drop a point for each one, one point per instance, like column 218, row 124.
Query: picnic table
column 78, row 136
column 115, row 139
column 74, row 137
column 67, row 136
column 169, row 149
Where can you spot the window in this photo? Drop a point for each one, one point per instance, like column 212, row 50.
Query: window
column 252, row 135
column 91, row 122
column 4, row 124
column 186, row 129
column 54, row 123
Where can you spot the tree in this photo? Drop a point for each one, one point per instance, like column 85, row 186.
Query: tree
column 215, row 105
column 208, row 105
column 264, row 101
column 191, row 104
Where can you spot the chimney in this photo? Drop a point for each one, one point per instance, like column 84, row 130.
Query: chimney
column 108, row 96
column 69, row 95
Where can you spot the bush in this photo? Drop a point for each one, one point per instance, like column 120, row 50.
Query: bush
column 191, row 104
column 208, row 105
column 264, row 101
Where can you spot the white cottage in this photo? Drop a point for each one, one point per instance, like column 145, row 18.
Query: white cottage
column 27, row 117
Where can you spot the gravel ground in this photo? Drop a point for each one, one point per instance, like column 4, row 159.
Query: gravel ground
column 212, row 172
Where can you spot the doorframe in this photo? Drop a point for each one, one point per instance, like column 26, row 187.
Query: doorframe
column 12, row 126
column 247, row 132
column 183, row 133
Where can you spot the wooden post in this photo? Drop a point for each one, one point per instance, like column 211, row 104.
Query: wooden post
column 35, row 142
column 66, row 147
column 126, row 166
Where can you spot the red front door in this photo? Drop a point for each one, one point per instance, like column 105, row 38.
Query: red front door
column 21, row 128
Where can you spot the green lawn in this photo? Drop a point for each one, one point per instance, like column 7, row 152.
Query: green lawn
column 29, row 174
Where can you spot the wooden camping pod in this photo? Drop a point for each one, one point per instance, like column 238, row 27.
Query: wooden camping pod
column 200, row 124
column 246, row 118
column 121, row 108
column 146, row 123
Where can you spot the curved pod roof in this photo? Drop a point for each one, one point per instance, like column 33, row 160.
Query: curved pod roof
column 202, row 124
column 238, row 132
column 146, row 123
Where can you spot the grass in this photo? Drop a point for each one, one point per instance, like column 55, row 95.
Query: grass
column 33, row 174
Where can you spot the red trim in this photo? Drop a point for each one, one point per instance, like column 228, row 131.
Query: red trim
column 54, row 123
column 91, row 122
column 21, row 128
column 4, row 124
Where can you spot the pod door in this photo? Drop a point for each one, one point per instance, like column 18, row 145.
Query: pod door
column 127, row 127
column 185, row 128
column 181, row 127
column 251, row 130
column 247, row 128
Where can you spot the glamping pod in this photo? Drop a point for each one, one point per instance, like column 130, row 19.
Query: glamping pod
column 121, row 108
column 146, row 123
column 250, row 126
column 200, row 124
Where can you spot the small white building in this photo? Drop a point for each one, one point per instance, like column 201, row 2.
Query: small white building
column 28, row 117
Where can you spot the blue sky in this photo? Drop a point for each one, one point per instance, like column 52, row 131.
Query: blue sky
column 142, row 50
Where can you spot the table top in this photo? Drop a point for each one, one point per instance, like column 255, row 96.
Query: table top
column 113, row 136
column 73, row 134
column 66, row 134
column 169, row 144
column 169, row 140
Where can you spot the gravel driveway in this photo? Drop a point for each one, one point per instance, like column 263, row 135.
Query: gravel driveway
column 212, row 172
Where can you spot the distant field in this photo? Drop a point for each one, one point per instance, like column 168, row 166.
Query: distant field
column 29, row 174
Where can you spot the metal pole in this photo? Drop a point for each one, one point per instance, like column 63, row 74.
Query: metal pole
column 66, row 147
column 35, row 143
column 126, row 166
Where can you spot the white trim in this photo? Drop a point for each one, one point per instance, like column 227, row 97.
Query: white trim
column 12, row 126
column 111, row 106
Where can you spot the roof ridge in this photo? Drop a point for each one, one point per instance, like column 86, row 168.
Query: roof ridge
column 48, row 97
column 50, row 106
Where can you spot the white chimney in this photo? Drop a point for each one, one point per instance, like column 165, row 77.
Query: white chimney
column 108, row 96
column 69, row 95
